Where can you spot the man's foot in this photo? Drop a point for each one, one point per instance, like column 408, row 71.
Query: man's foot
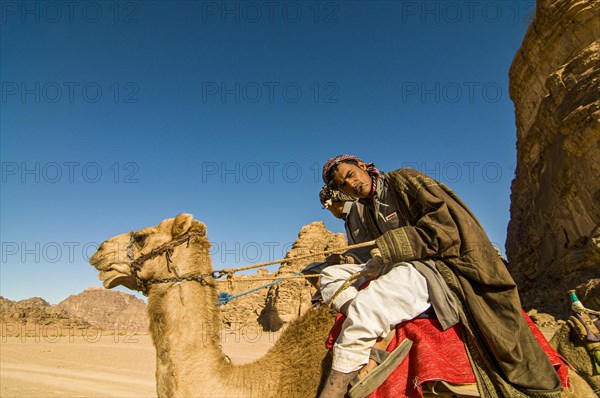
column 373, row 376
column 378, row 354
column 336, row 385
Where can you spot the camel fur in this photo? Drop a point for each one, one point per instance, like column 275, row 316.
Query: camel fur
column 572, row 347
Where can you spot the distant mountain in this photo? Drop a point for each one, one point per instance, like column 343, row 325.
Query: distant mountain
column 107, row 309
column 93, row 310
column 35, row 316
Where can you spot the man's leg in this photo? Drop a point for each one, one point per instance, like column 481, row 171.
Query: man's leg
column 336, row 385
column 399, row 295
column 396, row 296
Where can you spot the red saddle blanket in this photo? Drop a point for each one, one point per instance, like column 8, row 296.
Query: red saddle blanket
column 437, row 354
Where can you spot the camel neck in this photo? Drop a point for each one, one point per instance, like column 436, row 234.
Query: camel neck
column 184, row 323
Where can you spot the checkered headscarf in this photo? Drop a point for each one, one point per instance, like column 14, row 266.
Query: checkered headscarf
column 330, row 195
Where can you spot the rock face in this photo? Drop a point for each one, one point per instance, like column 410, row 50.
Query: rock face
column 36, row 317
column 95, row 310
column 553, row 240
column 287, row 301
column 270, row 308
column 243, row 312
column 108, row 309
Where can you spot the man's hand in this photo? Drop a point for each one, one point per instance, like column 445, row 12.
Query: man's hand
column 374, row 266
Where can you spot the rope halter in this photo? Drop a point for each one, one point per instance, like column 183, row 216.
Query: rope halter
column 136, row 264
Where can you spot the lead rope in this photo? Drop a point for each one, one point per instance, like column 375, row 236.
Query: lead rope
column 225, row 297
column 230, row 271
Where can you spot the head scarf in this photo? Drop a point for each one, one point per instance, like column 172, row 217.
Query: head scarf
column 330, row 195
column 371, row 169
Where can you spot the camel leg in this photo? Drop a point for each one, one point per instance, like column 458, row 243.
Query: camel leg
column 336, row 385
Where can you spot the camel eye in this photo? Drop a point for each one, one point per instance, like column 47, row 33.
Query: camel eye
column 140, row 240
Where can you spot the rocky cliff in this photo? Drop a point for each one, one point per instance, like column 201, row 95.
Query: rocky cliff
column 553, row 240
column 108, row 309
column 243, row 312
column 287, row 301
column 93, row 311
column 36, row 317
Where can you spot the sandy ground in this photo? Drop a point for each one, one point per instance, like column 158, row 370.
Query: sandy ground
column 103, row 366
column 99, row 366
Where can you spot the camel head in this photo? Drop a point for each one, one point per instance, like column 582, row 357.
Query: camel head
column 177, row 247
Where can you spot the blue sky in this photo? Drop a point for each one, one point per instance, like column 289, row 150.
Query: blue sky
column 117, row 115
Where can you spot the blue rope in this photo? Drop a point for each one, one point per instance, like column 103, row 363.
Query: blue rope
column 225, row 298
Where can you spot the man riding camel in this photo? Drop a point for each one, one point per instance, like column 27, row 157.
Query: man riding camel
column 434, row 253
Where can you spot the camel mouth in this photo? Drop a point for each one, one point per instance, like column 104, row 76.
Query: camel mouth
column 109, row 283
column 114, row 274
column 112, row 278
column 117, row 280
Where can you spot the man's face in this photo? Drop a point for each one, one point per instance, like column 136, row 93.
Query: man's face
column 353, row 180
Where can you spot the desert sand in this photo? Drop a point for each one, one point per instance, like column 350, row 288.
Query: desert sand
column 96, row 366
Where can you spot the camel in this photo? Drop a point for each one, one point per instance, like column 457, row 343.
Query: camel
column 171, row 263
column 184, row 321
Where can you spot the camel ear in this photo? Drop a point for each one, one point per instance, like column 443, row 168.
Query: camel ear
column 181, row 224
